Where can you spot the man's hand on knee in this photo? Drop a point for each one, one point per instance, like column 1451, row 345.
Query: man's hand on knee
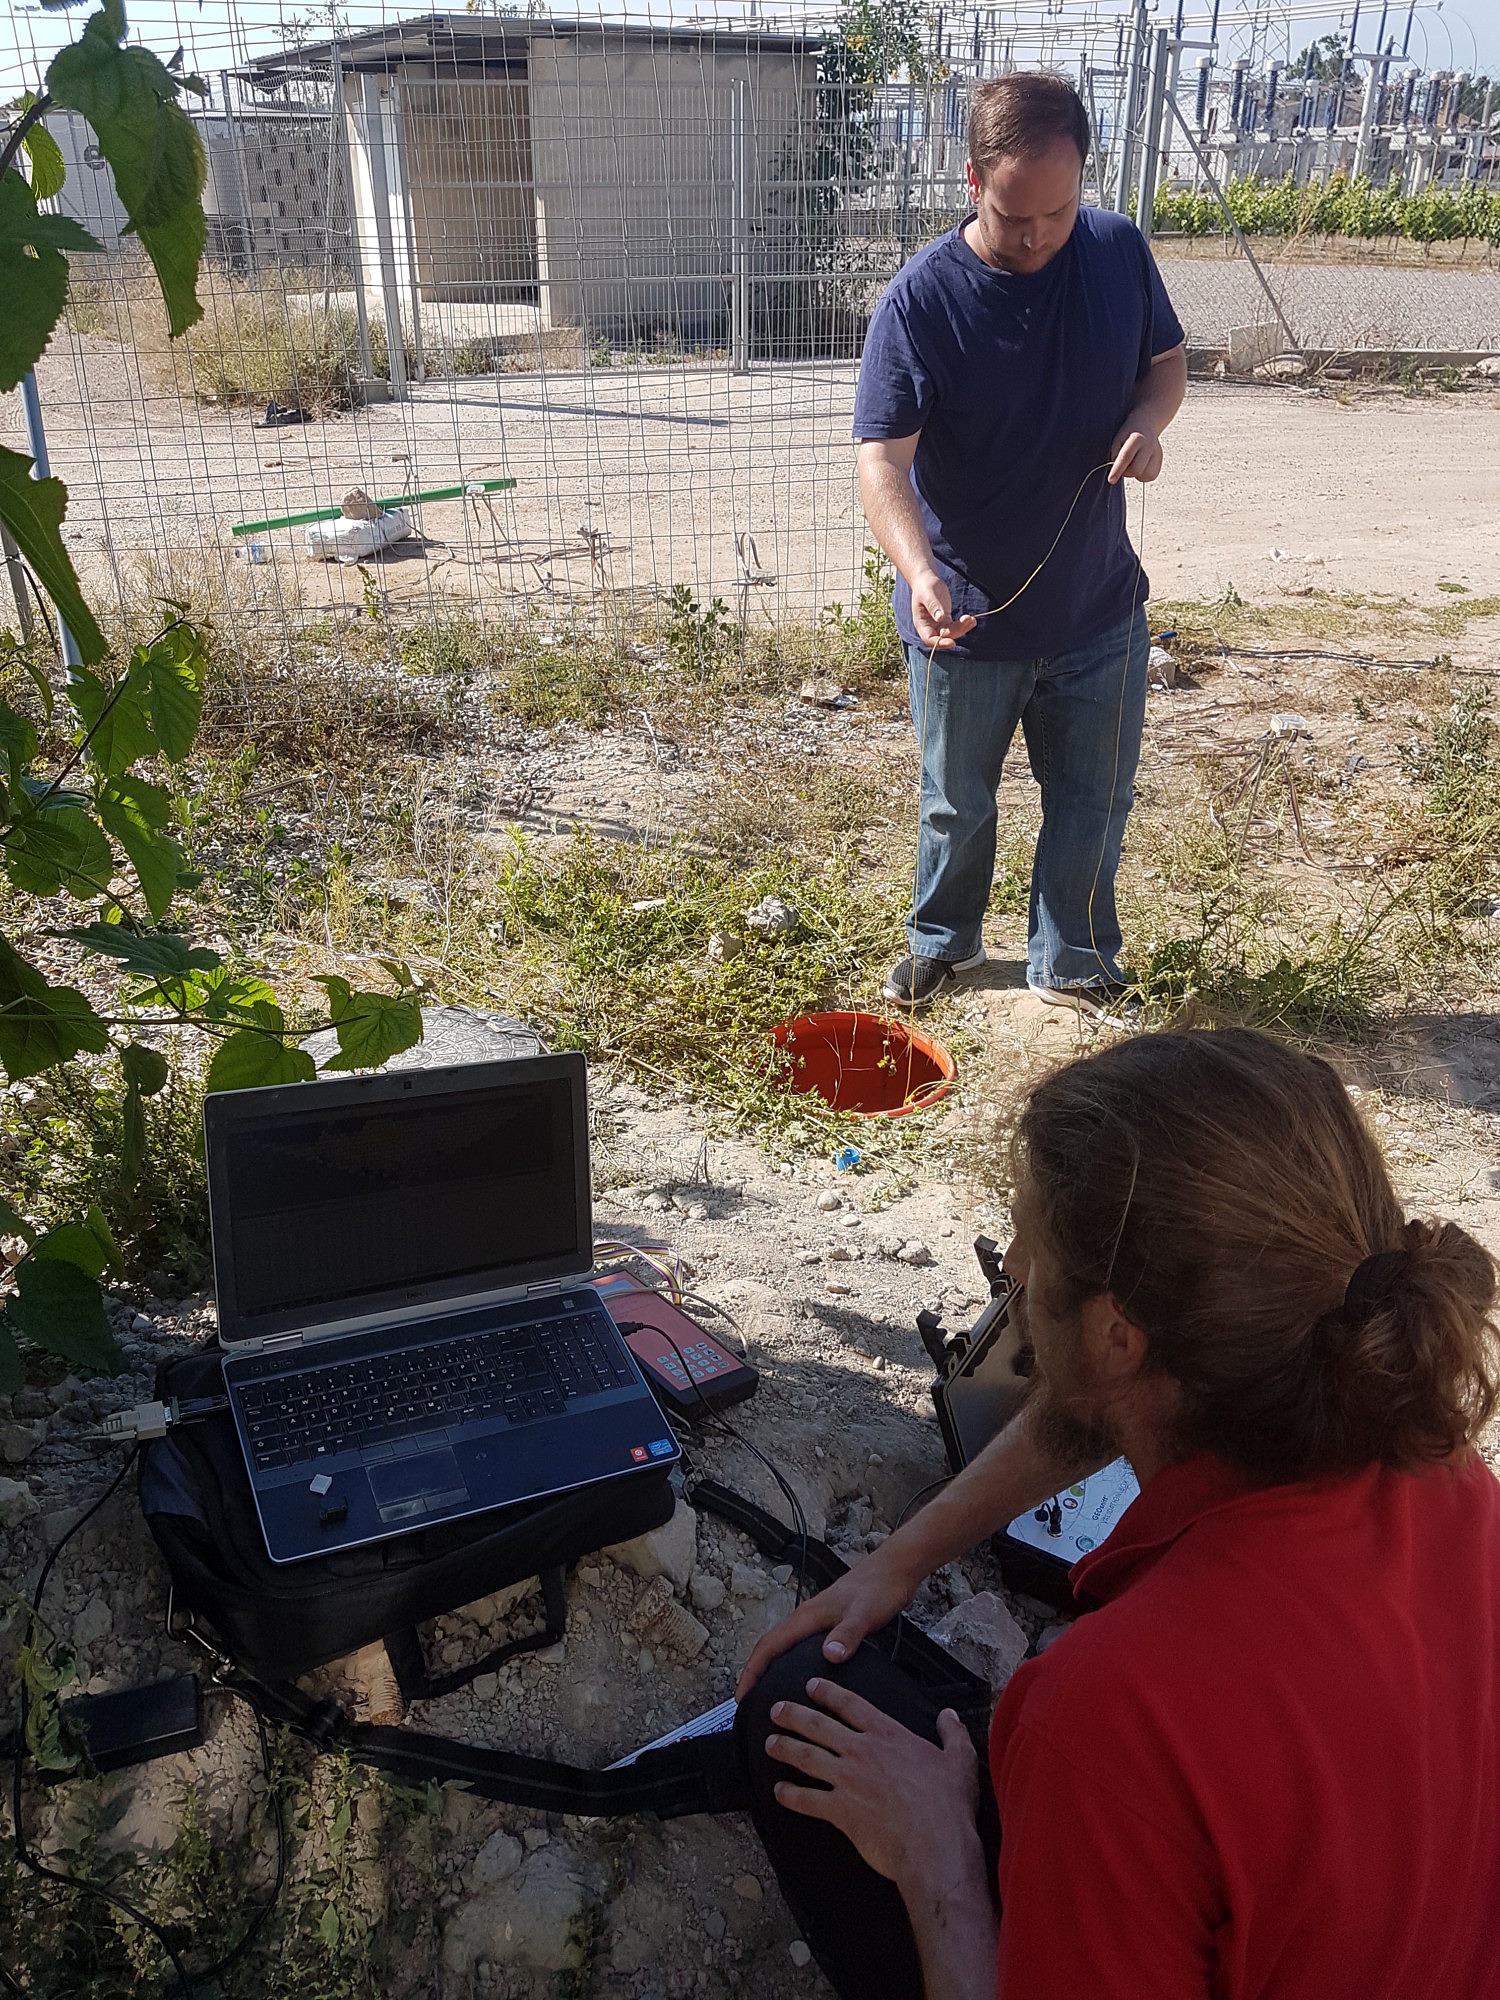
column 909, row 1806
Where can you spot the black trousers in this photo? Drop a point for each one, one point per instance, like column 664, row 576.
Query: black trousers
column 853, row 1920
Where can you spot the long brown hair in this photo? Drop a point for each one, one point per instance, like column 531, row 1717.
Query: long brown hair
column 1224, row 1190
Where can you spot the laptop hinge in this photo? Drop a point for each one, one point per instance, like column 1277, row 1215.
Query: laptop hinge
column 546, row 1291
column 274, row 1342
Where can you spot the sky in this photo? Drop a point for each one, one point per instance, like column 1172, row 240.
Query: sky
column 1445, row 34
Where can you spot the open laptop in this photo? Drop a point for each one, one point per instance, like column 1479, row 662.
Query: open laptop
column 409, row 1336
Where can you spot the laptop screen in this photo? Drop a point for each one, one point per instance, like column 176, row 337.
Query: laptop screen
column 332, row 1200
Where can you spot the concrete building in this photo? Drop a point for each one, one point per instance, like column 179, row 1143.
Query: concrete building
column 615, row 176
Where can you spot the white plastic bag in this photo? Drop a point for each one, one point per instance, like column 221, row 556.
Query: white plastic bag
column 346, row 541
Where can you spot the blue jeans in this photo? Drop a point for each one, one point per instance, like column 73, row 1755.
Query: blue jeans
column 1081, row 714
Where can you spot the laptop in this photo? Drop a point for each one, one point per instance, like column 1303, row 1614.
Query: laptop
column 409, row 1334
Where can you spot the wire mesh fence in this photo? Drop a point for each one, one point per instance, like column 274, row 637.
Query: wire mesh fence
column 625, row 265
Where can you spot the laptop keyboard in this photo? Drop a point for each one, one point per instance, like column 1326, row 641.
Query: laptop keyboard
column 521, row 1373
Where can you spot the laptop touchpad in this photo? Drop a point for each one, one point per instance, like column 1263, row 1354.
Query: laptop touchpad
column 427, row 1483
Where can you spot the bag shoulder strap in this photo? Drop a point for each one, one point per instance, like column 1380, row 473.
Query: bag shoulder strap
column 703, row 1775
column 418, row 1683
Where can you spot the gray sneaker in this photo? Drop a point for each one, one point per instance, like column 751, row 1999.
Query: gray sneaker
column 1112, row 1000
column 914, row 982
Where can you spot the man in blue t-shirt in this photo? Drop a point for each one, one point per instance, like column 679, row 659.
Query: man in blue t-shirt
column 1014, row 373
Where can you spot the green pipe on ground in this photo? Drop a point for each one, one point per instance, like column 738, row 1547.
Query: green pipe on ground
column 395, row 500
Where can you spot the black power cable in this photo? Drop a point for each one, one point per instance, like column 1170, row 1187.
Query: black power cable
column 711, row 1416
column 81, row 1884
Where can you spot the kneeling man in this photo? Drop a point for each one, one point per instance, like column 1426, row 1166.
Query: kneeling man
column 1266, row 1766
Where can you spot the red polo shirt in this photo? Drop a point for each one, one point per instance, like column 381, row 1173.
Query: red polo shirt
column 1268, row 1766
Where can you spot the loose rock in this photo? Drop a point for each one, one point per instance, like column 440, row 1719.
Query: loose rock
column 670, row 1550
column 800, row 1953
column 982, row 1633
column 747, row 1582
column 707, row 1592
column 496, row 1861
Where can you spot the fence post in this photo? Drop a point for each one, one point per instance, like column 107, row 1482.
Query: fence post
column 1145, row 207
column 17, row 575
column 1128, row 110
column 41, row 468
column 241, row 190
column 739, row 299
column 385, row 240
column 339, row 162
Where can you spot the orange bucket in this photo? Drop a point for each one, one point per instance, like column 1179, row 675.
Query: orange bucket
column 865, row 1063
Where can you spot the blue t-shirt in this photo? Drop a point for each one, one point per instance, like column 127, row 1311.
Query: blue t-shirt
column 1018, row 383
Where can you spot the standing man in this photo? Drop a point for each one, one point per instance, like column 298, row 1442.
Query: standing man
column 1014, row 373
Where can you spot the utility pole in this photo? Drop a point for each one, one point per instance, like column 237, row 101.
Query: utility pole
column 1145, row 207
column 1128, row 118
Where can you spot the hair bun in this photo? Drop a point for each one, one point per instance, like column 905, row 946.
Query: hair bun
column 1373, row 1283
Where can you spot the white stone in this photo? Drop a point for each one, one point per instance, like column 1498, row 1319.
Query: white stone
column 800, row 1953
column 486, row 1687
column 829, row 1200
column 670, row 1550
column 531, row 1921
column 17, row 1502
column 496, row 1861
column 782, row 1573
column 95, row 1622
column 982, row 1633
column 706, row 1591
column 19, row 1441
column 914, row 1252
column 747, row 1888
column 535, row 1837
column 1489, row 368
column 747, row 1582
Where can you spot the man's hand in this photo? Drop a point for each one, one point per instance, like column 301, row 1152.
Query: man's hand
column 909, row 1806
column 1137, row 453
column 932, row 612
column 866, row 1597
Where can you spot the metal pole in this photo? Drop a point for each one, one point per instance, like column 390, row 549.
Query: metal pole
column 1127, row 122
column 398, row 118
column 1145, row 207
column 1239, row 234
column 17, row 576
column 385, row 244
column 41, row 468
column 241, row 191
column 739, row 305
column 1366, row 123
column 340, row 140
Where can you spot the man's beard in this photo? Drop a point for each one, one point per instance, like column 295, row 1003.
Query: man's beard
column 1066, row 1416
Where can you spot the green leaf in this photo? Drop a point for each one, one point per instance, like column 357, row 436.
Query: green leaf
column 18, row 742
column 135, row 813
column 33, row 510
column 371, row 1027
column 248, row 1060
column 175, row 669
column 48, row 171
column 58, row 847
column 59, row 1308
column 33, row 274
column 74, row 1243
column 12, row 1374
column 41, row 1025
column 14, row 1223
column 328, row 1927
column 152, row 954
column 115, row 719
column 130, row 98
column 145, row 1069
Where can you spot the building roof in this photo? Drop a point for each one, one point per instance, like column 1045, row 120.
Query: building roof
column 446, row 44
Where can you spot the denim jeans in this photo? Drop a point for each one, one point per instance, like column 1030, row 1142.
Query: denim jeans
column 1081, row 713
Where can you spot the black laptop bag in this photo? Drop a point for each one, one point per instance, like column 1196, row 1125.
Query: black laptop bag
column 267, row 1622
column 280, row 1620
